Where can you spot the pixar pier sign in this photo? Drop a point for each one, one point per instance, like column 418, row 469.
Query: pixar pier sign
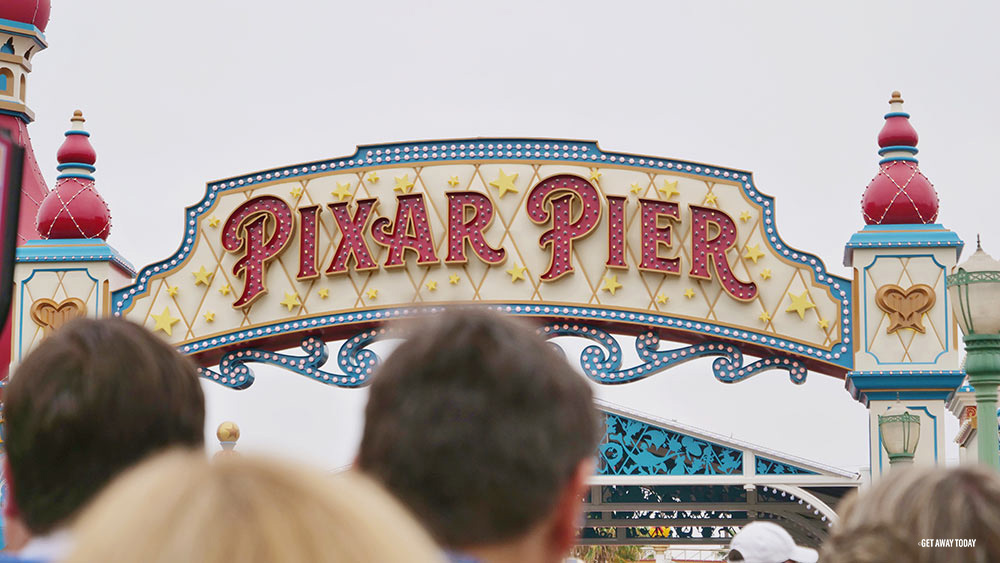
column 568, row 207
column 560, row 231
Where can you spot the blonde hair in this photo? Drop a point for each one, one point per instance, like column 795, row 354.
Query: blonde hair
column 887, row 522
column 180, row 506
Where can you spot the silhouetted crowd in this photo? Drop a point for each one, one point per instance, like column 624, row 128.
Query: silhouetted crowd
column 478, row 442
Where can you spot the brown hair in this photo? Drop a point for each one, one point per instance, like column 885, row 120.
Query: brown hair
column 181, row 507
column 478, row 425
column 888, row 521
column 91, row 400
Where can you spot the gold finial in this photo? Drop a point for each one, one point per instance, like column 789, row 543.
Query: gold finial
column 896, row 97
column 78, row 116
column 228, row 431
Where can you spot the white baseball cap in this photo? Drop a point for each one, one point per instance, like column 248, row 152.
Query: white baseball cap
column 766, row 542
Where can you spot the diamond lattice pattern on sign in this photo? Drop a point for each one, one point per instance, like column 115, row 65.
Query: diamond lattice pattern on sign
column 199, row 292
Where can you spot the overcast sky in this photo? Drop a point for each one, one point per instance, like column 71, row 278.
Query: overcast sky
column 195, row 90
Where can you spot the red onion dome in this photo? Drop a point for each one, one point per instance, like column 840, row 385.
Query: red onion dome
column 35, row 12
column 899, row 193
column 74, row 209
column 76, row 148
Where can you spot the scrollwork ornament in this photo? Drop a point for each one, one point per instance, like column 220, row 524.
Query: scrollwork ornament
column 602, row 361
column 357, row 363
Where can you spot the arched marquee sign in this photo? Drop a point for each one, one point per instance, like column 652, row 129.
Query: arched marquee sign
column 587, row 242
column 682, row 258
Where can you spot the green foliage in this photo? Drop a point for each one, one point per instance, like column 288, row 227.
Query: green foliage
column 607, row 553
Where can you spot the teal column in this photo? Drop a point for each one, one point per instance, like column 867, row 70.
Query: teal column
column 982, row 363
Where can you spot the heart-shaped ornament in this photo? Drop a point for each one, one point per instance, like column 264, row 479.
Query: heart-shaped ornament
column 905, row 308
column 51, row 316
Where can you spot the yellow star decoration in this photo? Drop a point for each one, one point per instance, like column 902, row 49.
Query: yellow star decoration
column 323, row 293
column 669, row 189
column 165, row 322
column 291, row 301
column 595, row 175
column 343, row 191
column 432, row 285
column 766, row 273
column 403, row 184
column 213, row 221
column 296, row 192
column 611, row 284
column 516, row 272
column 372, row 293
column 453, row 279
column 372, row 178
column 661, row 298
column 800, row 304
column 172, row 290
column 823, row 324
column 202, row 276
column 225, row 289
column 453, row 181
column 505, row 183
column 710, row 198
column 745, row 216
column 689, row 293
column 764, row 316
column 754, row 253
column 636, row 188
column 209, row 317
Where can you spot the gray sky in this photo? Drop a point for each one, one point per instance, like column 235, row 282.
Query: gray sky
column 197, row 90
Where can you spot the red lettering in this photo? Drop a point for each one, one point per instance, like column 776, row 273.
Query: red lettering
column 308, row 217
column 246, row 230
column 461, row 231
column 564, row 230
column 352, row 237
column 654, row 235
column 616, row 232
column 410, row 231
column 707, row 251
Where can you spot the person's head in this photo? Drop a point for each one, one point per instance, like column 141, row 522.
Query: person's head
column 888, row 521
column 91, row 400
column 482, row 429
column 767, row 542
column 179, row 506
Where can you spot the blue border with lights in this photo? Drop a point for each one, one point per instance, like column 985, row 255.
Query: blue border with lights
column 72, row 250
column 508, row 150
column 905, row 236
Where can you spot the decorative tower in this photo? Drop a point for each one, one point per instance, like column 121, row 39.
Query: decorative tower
column 22, row 27
column 74, row 209
column 906, row 351
column 70, row 272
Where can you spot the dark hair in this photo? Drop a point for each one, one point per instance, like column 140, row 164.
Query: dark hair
column 734, row 555
column 91, row 400
column 478, row 425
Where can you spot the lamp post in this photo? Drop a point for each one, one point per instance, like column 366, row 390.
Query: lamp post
column 975, row 291
column 900, row 434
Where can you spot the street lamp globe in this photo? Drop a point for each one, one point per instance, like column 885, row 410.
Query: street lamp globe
column 974, row 289
column 900, row 434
